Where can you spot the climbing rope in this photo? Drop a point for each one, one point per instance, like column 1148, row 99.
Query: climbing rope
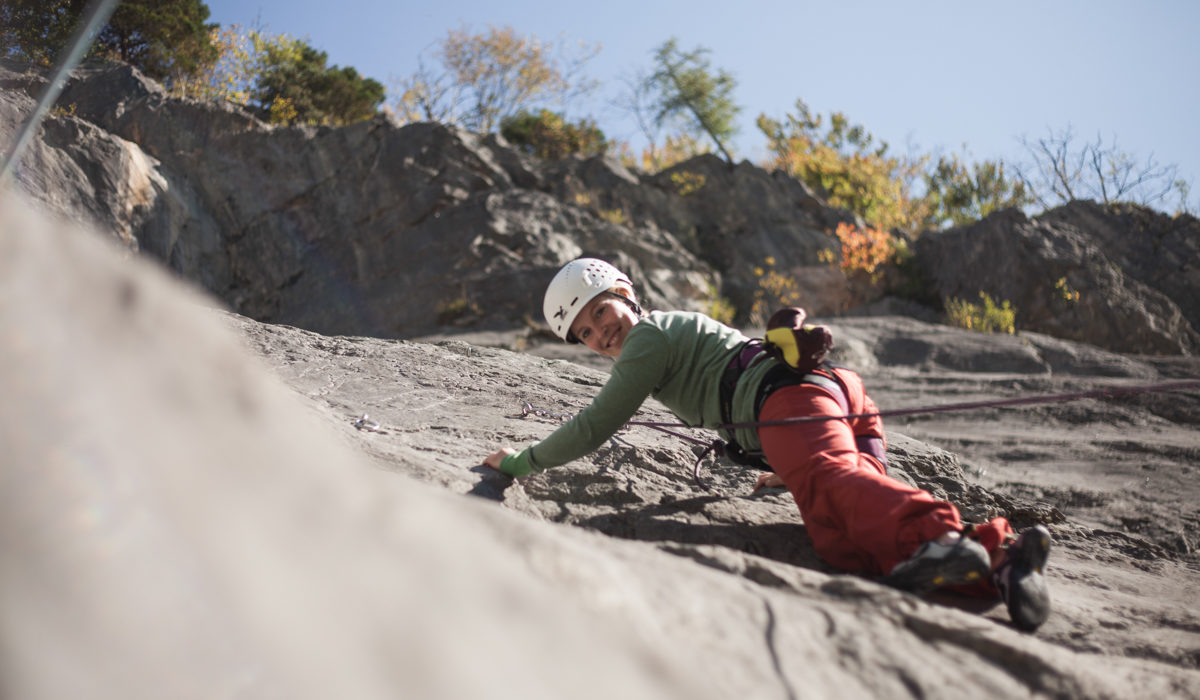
column 971, row 405
column 718, row 446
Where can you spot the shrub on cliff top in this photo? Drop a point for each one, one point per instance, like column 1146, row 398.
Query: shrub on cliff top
column 547, row 135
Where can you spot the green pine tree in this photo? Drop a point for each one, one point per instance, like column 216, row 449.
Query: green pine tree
column 294, row 86
column 689, row 91
column 37, row 30
column 165, row 39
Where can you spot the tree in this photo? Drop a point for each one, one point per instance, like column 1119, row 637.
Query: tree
column 1062, row 171
column 36, row 30
column 231, row 76
column 959, row 194
column 284, row 79
column 686, row 90
column 639, row 99
column 165, row 39
column 547, row 135
column 844, row 163
column 486, row 77
column 293, row 85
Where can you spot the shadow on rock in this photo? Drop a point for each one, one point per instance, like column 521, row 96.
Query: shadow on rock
column 492, row 484
column 783, row 542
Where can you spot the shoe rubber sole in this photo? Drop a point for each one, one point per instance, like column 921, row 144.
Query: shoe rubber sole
column 967, row 562
column 1022, row 581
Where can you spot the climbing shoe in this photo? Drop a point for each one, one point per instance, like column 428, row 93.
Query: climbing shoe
column 935, row 565
column 1021, row 580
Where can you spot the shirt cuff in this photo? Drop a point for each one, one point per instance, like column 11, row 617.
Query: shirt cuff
column 517, row 464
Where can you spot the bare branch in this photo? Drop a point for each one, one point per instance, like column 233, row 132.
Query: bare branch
column 486, row 77
column 1061, row 172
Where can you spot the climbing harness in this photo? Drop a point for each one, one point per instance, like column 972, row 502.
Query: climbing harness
column 719, row 447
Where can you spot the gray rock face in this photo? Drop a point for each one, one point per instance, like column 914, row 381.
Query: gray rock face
column 375, row 229
column 1160, row 251
column 732, row 218
column 179, row 524
column 1064, row 280
column 77, row 169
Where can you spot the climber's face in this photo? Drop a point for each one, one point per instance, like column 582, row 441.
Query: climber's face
column 603, row 324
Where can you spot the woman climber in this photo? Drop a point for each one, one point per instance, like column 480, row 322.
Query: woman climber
column 860, row 520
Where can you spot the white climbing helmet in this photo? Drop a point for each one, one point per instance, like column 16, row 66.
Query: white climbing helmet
column 577, row 283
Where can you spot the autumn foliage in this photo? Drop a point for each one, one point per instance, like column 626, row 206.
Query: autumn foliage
column 547, row 135
column 485, row 77
column 846, row 165
column 865, row 250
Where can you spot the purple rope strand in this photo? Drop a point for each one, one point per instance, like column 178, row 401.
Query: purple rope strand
column 718, row 446
column 1050, row 398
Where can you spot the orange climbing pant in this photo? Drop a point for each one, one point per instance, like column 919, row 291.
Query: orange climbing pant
column 859, row 518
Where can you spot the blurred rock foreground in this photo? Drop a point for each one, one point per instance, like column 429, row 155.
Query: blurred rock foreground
column 189, row 510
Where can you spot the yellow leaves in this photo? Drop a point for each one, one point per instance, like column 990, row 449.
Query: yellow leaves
column 864, row 250
column 283, row 111
column 486, row 77
column 687, row 184
column 775, row 290
column 676, row 149
column 502, row 69
column 614, row 216
column 985, row 318
column 844, row 166
column 232, row 75
column 476, row 58
column 1065, row 292
column 548, row 136
column 719, row 307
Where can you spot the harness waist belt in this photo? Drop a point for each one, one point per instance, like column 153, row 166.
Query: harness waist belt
column 777, row 378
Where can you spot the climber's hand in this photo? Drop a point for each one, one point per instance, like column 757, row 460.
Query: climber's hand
column 494, row 459
column 767, row 480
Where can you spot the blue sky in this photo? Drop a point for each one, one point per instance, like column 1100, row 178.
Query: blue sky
column 924, row 76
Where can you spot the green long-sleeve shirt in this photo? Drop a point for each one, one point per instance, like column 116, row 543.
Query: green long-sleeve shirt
column 678, row 358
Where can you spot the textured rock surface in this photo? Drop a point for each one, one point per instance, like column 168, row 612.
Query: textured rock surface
column 1160, row 251
column 1064, row 281
column 179, row 524
column 379, row 230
